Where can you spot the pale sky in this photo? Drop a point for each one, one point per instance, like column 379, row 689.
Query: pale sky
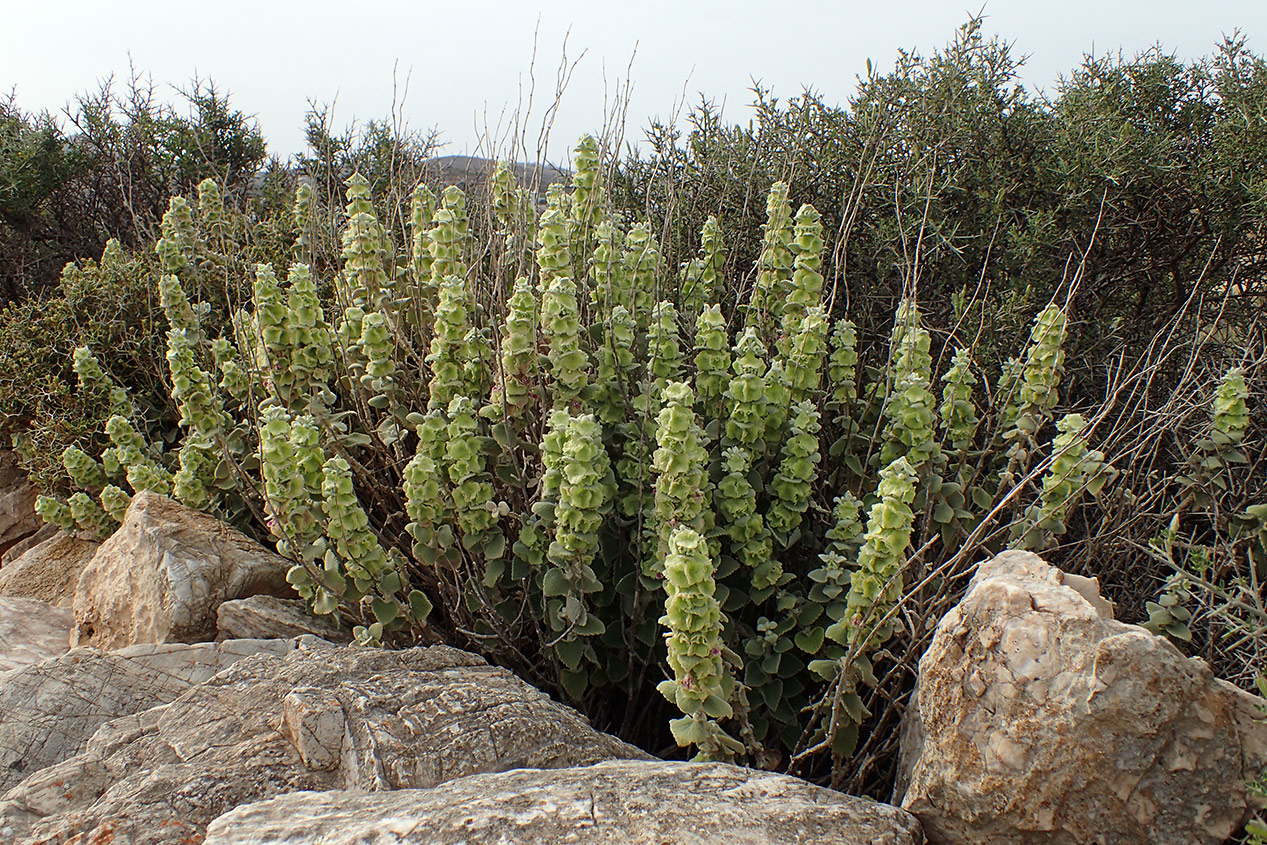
column 469, row 63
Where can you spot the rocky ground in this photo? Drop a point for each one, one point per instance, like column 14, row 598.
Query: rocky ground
column 162, row 687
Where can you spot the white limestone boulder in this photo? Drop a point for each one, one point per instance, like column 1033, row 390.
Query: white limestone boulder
column 620, row 802
column 1039, row 718
column 48, row 710
column 162, row 576
column 50, row 570
column 322, row 717
column 31, row 631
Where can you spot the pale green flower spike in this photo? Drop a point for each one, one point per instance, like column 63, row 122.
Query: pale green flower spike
column 471, row 485
column 750, row 542
column 664, row 351
column 642, row 257
column 611, row 274
column 845, row 537
column 554, row 242
column 538, row 527
column 427, row 500
column 778, row 401
column 616, row 366
column 310, row 338
column 876, row 585
column 368, row 571
column 712, row 362
column 1071, row 473
column 447, row 341
column 450, row 237
column 233, row 379
column 86, row 472
column 746, row 394
column 364, row 248
column 585, row 490
column 681, row 466
column 304, row 214
column 798, row 469
column 55, row 513
column 211, row 208
column 588, row 206
column 958, row 413
column 1032, row 387
column 94, row 382
column 424, row 286
column 275, row 343
column 911, row 406
column 516, row 382
column 806, row 353
column 775, row 266
column 1229, row 414
column 112, row 255
column 194, row 484
column 201, row 410
column 177, row 246
column 702, row 276
column 806, row 290
column 842, row 367
column 561, row 328
column 115, row 502
column 129, row 456
column 701, row 687
column 513, row 207
column 180, row 314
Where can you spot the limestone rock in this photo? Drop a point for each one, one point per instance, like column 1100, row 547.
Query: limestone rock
column 264, row 617
column 49, row 571
column 613, row 803
column 31, row 631
column 322, row 717
column 17, row 502
column 162, row 575
column 30, row 541
column 48, row 710
column 1038, row 718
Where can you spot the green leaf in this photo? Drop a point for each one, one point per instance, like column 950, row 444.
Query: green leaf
column 825, row 669
column 419, row 606
column 717, row 707
column 390, row 583
column 810, row 641
column 853, row 706
column 688, row 731
column 384, row 611
column 495, row 546
column 555, row 583
column 570, row 652
column 845, row 741
column 574, row 683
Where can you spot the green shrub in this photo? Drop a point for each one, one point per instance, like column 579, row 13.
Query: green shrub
column 629, row 480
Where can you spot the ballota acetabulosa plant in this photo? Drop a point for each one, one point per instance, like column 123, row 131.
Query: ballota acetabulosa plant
column 626, row 480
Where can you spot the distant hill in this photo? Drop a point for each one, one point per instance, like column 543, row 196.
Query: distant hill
column 470, row 173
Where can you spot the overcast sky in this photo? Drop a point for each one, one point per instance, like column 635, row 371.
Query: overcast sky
column 468, row 64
